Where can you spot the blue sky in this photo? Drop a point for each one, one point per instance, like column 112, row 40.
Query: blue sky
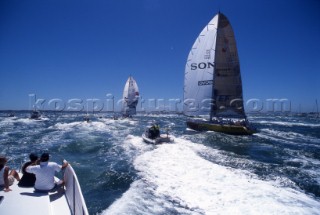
column 66, row 49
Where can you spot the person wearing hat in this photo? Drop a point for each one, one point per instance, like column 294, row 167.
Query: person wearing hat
column 45, row 173
column 6, row 176
column 28, row 179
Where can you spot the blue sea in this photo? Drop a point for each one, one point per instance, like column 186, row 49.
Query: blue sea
column 276, row 171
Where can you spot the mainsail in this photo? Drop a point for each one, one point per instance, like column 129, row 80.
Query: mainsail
column 130, row 97
column 212, row 84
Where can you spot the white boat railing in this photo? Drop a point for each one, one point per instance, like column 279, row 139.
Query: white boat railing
column 73, row 192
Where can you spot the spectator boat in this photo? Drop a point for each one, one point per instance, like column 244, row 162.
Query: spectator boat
column 157, row 138
column 65, row 200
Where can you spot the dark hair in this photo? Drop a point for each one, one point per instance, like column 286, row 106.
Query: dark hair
column 33, row 157
column 44, row 157
column 3, row 161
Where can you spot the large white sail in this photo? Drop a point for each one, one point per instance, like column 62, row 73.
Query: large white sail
column 130, row 97
column 198, row 82
column 212, row 84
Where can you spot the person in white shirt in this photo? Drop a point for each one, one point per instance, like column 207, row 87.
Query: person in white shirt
column 45, row 173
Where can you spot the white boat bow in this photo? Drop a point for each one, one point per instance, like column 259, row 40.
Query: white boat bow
column 63, row 201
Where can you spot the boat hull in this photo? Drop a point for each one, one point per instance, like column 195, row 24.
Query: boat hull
column 224, row 128
column 159, row 140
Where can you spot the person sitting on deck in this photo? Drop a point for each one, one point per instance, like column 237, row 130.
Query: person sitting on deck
column 28, row 179
column 6, row 176
column 45, row 173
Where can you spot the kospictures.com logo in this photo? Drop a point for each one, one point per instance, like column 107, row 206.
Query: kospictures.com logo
column 110, row 104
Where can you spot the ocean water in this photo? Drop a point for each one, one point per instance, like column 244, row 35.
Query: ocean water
column 276, row 171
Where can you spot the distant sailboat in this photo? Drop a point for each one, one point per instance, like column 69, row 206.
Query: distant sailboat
column 86, row 118
column 35, row 115
column 212, row 84
column 317, row 108
column 316, row 113
column 300, row 113
column 11, row 114
column 130, row 97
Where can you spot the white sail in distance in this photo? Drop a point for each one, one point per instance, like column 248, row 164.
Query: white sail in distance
column 212, row 84
column 130, row 97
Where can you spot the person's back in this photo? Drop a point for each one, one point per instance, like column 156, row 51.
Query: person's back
column 28, row 179
column 44, row 173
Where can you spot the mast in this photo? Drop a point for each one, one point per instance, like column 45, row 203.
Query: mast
column 317, row 108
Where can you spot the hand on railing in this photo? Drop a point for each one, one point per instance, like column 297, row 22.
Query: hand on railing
column 65, row 164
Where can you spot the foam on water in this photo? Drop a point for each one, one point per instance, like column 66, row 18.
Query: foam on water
column 290, row 124
column 5, row 121
column 134, row 146
column 90, row 126
column 31, row 121
column 175, row 179
column 288, row 137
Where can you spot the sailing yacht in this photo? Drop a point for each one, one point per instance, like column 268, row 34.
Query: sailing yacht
column 212, row 82
column 315, row 113
column 130, row 97
column 35, row 114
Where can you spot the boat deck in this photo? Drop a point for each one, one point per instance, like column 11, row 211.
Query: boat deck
column 26, row 201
